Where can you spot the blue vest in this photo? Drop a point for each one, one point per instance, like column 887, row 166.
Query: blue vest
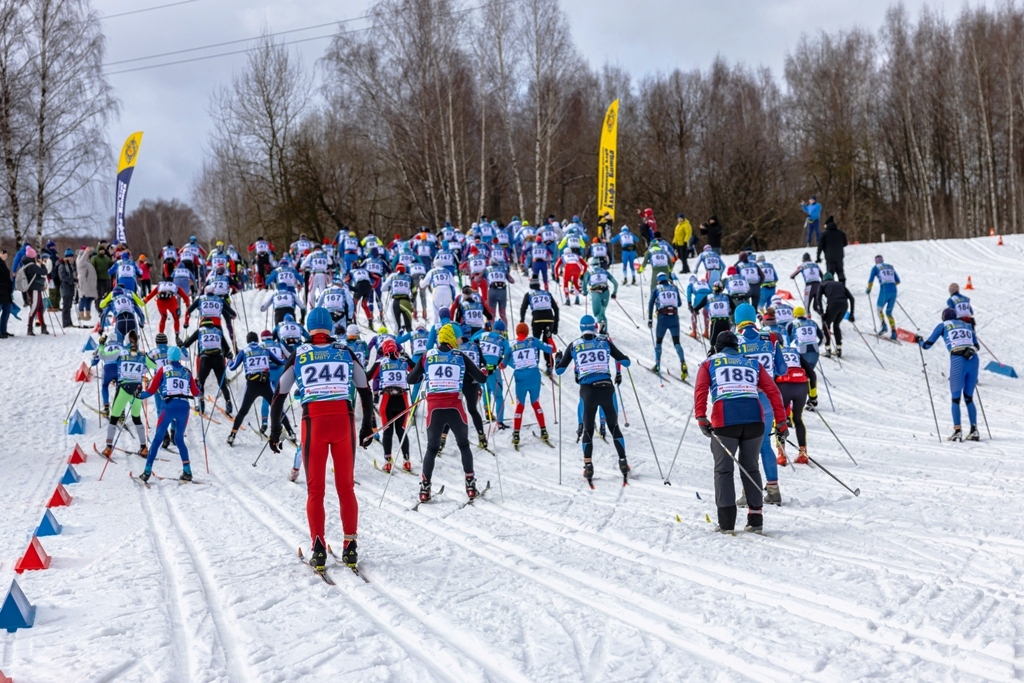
column 324, row 373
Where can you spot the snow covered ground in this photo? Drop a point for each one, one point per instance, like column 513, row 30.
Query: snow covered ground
column 920, row 578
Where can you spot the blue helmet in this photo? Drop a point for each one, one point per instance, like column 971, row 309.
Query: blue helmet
column 499, row 325
column 174, row 354
column 745, row 313
column 444, row 314
column 125, row 256
column 319, row 319
column 588, row 324
column 289, row 318
column 663, row 277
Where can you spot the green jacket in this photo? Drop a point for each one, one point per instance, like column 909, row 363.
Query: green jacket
column 102, row 262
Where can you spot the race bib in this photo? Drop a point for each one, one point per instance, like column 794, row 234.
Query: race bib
column 718, row 309
column 806, row 334
column 131, row 372
column 735, row 382
column 443, row 377
column 594, row 361
column 668, row 298
column 256, row 364
column 886, row 276
column 210, row 308
column 283, row 300
column 209, row 341
column 122, row 304
column 526, row 358
column 626, row 239
column 175, row 387
column 325, row 378
column 393, row 378
column 401, row 287
column 125, row 270
column 474, row 317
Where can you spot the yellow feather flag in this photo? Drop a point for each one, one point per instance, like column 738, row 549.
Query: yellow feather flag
column 606, row 164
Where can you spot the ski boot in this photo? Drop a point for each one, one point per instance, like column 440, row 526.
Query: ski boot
column 440, row 449
column 727, row 532
column 294, row 476
column 318, row 556
column 579, row 432
column 957, row 435
column 202, row 407
column 577, row 299
column 544, row 435
column 167, row 439
column 741, row 502
column 350, row 554
column 567, row 302
column 105, row 413
column 588, row 472
column 634, row 279
column 684, row 373
column 387, row 464
column 231, row 437
column 692, row 334
column 828, row 352
column 839, row 350
column 502, row 426
column 229, row 409
column 755, row 522
column 263, row 426
column 471, row 491
column 515, row 439
column 143, row 451
column 108, row 451
column 974, row 435
column 772, row 495
column 603, row 432
column 624, row 468
column 893, row 335
column 145, row 475
column 782, row 460
column 177, row 340
column 801, row 458
column 407, row 466
column 186, row 473
column 812, row 403
column 424, row 490
column 656, row 369
column 481, row 440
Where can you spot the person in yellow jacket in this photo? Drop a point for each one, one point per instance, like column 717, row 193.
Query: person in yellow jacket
column 681, row 240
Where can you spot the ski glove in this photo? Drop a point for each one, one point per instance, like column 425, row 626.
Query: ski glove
column 705, row 426
column 650, row 324
column 365, row 436
column 782, row 429
column 613, row 296
column 868, row 290
column 618, row 378
column 274, row 440
column 850, row 318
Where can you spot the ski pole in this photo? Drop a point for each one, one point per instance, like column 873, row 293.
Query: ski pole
column 736, row 460
column 988, row 349
column 117, row 436
column 908, row 315
column 821, row 369
column 689, row 416
column 220, row 386
column 644, row 418
column 982, row 405
column 396, row 417
column 265, row 444
column 559, row 432
column 405, row 435
column 868, row 345
column 206, row 453
column 245, row 316
column 622, row 405
column 68, row 416
column 927, row 383
column 836, row 436
column 817, row 464
column 628, row 316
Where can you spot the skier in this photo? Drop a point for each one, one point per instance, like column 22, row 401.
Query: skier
column 599, row 250
column 493, row 346
column 212, row 350
column 175, row 385
column 887, row 281
column 469, row 311
column 592, row 356
column 737, row 287
column 108, row 352
column 805, row 335
column 538, row 260
column 836, row 296
column 570, row 266
column 127, row 309
column 736, row 426
column 667, row 298
column 712, row 263
column 391, row 371
column 627, row 241
column 284, row 302
column 595, row 283
column 768, row 354
column 748, row 268
column 126, row 273
column 811, row 273
column 498, row 279
column 544, row 317
column 257, row 361
column 660, row 259
column 400, row 285
column 328, row 377
column 524, row 357
column 768, row 282
column 963, row 347
column 445, row 368
column 793, row 389
column 471, row 388
column 131, row 371
column 697, row 292
column 441, row 281
column 719, row 308
column 961, row 304
column 338, row 301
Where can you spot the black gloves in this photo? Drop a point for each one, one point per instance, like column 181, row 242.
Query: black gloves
column 618, row 378
column 705, row 426
column 365, row 436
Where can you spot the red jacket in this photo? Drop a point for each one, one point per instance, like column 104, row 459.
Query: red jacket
column 722, row 414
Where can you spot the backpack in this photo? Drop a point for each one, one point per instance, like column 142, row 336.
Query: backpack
column 21, row 281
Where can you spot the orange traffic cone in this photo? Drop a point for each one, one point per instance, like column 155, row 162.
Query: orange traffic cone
column 1000, row 243
column 991, row 232
column 969, row 284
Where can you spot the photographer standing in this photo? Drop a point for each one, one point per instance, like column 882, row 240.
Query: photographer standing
column 813, row 210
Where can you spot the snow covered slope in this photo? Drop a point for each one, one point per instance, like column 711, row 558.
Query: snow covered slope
column 917, row 579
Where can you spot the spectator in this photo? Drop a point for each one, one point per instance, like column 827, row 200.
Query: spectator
column 35, row 284
column 86, row 283
column 6, row 295
column 68, row 279
column 101, row 262
column 832, row 243
column 50, row 260
column 813, row 210
column 18, row 257
column 648, row 225
column 144, row 282
column 712, row 231
column 681, row 240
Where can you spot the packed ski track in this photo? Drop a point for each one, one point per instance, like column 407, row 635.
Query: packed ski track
column 918, row 578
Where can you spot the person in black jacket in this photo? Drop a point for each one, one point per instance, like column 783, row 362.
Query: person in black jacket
column 65, row 274
column 35, row 276
column 6, row 295
column 712, row 231
column 836, row 296
column 833, row 243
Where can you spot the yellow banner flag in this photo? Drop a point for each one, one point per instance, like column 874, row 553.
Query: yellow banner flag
column 125, row 166
column 607, row 162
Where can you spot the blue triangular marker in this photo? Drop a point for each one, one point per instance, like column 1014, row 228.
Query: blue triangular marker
column 89, row 345
column 1000, row 369
column 49, row 526
column 76, row 425
column 70, row 476
column 16, row 612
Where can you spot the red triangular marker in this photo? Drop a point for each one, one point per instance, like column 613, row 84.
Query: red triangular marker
column 77, row 458
column 34, row 558
column 60, row 497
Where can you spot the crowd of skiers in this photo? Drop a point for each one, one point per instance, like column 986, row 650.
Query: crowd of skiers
column 443, row 339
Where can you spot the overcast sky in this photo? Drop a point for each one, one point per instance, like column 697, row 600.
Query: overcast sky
column 170, row 103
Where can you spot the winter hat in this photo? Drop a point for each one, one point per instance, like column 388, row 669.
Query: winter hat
column 252, row 338
column 51, row 244
column 499, row 325
column 174, row 354
column 161, row 338
column 744, row 315
column 319, row 319
column 588, row 324
column 69, row 252
column 948, row 314
column 726, row 340
column 954, row 288
column 522, row 330
column 30, row 252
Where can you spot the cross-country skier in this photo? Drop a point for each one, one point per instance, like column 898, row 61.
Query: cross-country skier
column 793, row 389
column 444, row 369
column 768, row 283
column 212, row 350
column 811, row 273
column 570, row 267
column 169, row 297
column 666, row 297
column 961, row 304
column 719, row 308
column 498, row 279
column 805, row 335
column 523, row 356
column 131, row 371
column 592, row 356
column 595, row 284
column 543, row 317
column 256, row 361
column 493, row 346
column 391, row 372
column 174, row 384
column 627, row 241
column 712, row 263
column 328, row 377
column 962, row 344
column 836, row 295
column 284, row 302
column 887, row 281
column 736, row 426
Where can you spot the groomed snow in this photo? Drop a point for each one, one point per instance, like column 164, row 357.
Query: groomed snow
column 917, row 579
